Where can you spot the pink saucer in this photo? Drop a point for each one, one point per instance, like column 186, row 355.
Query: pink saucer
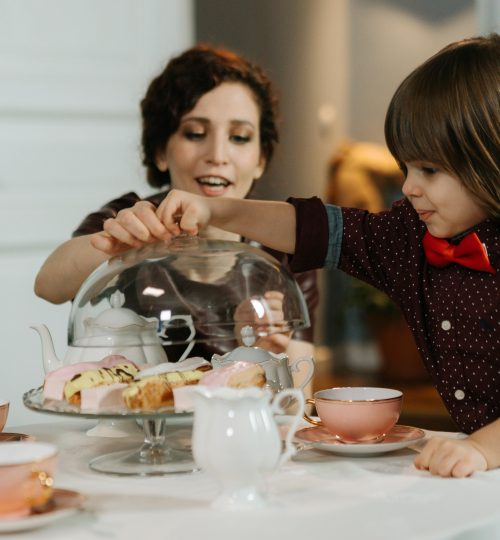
column 399, row 437
column 63, row 503
column 11, row 437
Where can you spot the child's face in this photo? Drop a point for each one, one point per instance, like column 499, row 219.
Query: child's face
column 441, row 201
column 216, row 150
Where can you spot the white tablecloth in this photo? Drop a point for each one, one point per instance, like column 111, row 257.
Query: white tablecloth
column 317, row 495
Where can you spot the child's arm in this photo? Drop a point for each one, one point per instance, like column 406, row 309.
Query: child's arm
column 270, row 223
column 451, row 457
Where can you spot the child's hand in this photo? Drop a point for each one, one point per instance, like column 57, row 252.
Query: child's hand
column 183, row 211
column 451, row 457
column 132, row 227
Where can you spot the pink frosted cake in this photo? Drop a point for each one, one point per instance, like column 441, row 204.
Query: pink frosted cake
column 55, row 381
column 237, row 375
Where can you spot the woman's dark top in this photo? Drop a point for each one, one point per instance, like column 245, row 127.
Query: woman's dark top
column 201, row 292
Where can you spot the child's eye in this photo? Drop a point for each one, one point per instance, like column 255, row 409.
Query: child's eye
column 427, row 169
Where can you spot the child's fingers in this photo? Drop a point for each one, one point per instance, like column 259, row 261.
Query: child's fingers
column 189, row 221
column 446, row 457
column 184, row 211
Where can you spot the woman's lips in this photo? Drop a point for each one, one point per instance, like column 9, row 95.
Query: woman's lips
column 212, row 186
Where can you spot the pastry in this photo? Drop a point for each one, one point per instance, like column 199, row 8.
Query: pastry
column 53, row 386
column 124, row 372
column 189, row 364
column 236, row 375
column 157, row 390
column 104, row 397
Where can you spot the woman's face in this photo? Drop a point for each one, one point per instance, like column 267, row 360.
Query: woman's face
column 216, row 150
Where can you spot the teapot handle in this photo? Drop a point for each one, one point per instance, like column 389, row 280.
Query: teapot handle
column 294, row 420
column 294, row 368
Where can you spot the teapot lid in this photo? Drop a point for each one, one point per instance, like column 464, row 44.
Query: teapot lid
column 189, row 289
column 117, row 316
column 247, row 352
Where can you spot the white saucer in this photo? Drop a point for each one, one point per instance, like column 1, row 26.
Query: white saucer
column 64, row 503
column 399, row 437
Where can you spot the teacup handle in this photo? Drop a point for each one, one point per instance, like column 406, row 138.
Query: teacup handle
column 290, row 449
column 311, row 401
column 294, row 368
column 46, row 484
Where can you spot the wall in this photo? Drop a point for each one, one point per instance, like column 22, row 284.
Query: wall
column 72, row 74
column 302, row 45
column 388, row 39
column 337, row 64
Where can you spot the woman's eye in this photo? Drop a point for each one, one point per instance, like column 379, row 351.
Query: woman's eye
column 240, row 139
column 194, row 135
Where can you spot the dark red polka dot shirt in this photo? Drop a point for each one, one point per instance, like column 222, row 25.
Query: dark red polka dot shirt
column 453, row 312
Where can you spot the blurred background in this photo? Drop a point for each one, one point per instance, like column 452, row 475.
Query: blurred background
column 71, row 75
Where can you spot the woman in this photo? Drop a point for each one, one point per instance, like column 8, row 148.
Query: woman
column 208, row 127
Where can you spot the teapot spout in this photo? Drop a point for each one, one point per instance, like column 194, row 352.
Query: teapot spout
column 50, row 360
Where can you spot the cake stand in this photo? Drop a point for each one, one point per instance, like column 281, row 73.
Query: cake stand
column 155, row 457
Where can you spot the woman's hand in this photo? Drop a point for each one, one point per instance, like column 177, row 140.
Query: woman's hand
column 451, row 457
column 132, row 227
column 183, row 211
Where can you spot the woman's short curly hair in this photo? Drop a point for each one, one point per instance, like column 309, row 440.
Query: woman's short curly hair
column 180, row 85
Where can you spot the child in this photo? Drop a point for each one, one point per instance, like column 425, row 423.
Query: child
column 436, row 253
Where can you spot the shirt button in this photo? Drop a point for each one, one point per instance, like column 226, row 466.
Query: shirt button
column 446, row 325
column 459, row 394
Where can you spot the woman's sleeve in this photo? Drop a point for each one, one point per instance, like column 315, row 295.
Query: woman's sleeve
column 94, row 222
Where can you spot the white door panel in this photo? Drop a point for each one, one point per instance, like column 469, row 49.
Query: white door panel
column 72, row 74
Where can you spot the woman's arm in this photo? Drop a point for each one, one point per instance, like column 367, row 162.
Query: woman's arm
column 66, row 268
column 480, row 451
column 268, row 222
column 72, row 262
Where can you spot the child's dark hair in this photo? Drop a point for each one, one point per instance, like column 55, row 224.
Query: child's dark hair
column 184, row 80
column 447, row 112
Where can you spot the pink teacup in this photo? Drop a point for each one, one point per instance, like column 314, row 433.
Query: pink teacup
column 26, row 476
column 357, row 414
column 4, row 412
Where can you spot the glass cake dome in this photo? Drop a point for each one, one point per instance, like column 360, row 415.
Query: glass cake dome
column 189, row 297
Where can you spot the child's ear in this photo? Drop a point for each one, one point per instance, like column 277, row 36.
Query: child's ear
column 161, row 161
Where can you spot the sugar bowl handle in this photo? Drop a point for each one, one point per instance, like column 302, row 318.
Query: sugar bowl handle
column 294, row 368
column 297, row 394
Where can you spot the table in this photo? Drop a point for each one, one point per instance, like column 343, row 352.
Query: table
column 316, row 494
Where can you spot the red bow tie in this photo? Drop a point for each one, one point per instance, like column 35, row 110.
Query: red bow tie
column 469, row 252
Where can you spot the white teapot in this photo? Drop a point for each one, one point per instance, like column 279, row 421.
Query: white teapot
column 279, row 371
column 236, row 439
column 117, row 330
